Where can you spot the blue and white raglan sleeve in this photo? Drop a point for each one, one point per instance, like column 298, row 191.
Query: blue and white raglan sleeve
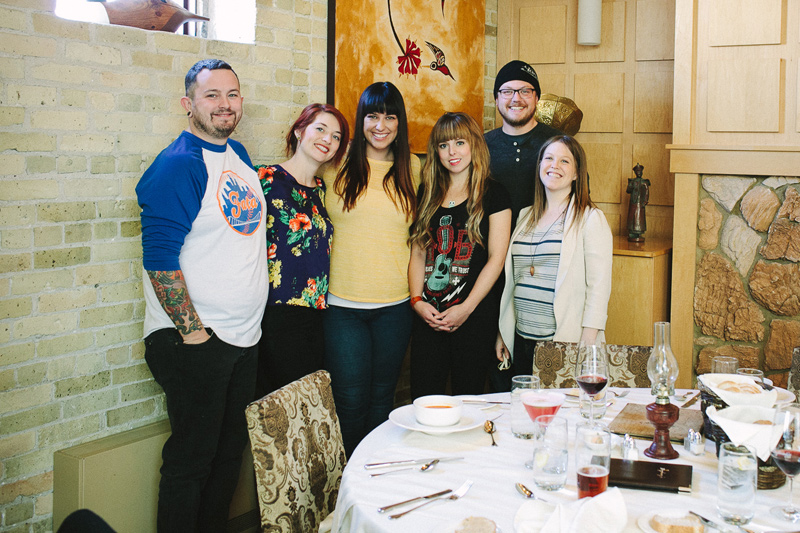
column 170, row 194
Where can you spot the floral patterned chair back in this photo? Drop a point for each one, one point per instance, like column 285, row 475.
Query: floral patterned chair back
column 298, row 454
column 554, row 363
column 794, row 373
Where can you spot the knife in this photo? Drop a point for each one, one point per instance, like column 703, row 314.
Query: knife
column 428, row 497
column 710, row 523
column 691, row 401
column 370, row 466
column 484, row 401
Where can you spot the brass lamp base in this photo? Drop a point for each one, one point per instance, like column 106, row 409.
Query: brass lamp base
column 662, row 416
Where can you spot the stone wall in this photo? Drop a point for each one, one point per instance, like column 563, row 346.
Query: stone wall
column 747, row 292
column 84, row 109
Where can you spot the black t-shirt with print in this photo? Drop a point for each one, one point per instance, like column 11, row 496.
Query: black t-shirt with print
column 452, row 262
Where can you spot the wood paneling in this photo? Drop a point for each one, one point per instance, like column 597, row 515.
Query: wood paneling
column 652, row 102
column 655, row 160
column 655, row 30
column 600, row 97
column 605, row 167
column 612, row 37
column 745, row 22
column 728, row 107
column 542, row 34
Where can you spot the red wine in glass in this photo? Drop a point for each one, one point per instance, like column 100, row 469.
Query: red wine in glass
column 592, row 385
column 788, row 461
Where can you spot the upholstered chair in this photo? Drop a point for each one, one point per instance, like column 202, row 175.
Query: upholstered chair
column 554, row 363
column 298, row 454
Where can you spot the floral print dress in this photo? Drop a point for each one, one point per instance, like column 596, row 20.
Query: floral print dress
column 299, row 235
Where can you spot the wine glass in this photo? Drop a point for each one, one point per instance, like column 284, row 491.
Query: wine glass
column 787, row 455
column 538, row 403
column 591, row 371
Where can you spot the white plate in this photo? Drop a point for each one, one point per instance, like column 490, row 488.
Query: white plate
column 784, row 396
column 450, row 527
column 644, row 521
column 471, row 417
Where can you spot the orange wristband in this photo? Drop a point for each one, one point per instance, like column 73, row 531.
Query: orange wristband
column 414, row 300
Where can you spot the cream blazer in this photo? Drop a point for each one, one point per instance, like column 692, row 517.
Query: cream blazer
column 583, row 279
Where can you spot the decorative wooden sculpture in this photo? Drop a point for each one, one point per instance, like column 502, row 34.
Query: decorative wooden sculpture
column 159, row 15
column 639, row 189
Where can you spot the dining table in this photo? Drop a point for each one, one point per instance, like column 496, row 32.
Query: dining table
column 468, row 454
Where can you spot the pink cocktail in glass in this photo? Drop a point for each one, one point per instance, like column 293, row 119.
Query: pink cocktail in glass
column 538, row 403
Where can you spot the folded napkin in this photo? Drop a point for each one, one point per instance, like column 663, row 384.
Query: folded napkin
column 605, row 513
column 738, row 423
column 764, row 398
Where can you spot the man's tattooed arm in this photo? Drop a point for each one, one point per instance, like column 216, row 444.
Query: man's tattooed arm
column 171, row 292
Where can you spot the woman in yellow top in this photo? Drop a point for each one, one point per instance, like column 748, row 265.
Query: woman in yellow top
column 371, row 202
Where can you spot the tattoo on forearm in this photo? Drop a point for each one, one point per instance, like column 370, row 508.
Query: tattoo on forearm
column 171, row 292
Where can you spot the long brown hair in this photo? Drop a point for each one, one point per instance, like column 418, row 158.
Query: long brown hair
column 579, row 190
column 353, row 178
column 436, row 178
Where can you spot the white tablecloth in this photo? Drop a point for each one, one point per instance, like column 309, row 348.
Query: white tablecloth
column 495, row 470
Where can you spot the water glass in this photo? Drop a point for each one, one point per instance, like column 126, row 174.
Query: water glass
column 521, row 423
column 736, row 483
column 550, row 453
column 595, row 407
column 592, row 458
column 754, row 373
column 723, row 364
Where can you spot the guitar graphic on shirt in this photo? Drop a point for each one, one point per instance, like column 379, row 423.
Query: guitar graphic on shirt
column 440, row 276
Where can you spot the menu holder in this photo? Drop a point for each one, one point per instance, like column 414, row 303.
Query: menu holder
column 649, row 475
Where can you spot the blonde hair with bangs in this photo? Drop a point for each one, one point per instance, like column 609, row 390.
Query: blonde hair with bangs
column 436, row 178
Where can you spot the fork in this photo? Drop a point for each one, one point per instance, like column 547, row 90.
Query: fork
column 458, row 493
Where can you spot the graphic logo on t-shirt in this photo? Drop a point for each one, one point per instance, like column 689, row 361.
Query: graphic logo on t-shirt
column 239, row 203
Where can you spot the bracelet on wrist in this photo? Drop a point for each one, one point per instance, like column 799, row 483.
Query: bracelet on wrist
column 414, row 300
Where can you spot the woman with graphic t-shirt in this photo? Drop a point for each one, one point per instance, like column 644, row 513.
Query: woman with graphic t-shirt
column 458, row 243
column 299, row 234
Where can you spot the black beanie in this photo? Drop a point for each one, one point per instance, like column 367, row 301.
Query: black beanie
column 517, row 70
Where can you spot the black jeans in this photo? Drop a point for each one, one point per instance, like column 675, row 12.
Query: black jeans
column 207, row 387
column 292, row 346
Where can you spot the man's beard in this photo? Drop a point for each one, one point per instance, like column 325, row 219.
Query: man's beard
column 522, row 121
column 208, row 127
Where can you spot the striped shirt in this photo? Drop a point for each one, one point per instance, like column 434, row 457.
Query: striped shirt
column 534, row 293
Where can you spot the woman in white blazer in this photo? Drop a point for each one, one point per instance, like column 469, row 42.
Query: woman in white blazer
column 558, row 267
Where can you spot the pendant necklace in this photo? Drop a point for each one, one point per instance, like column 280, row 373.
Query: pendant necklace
column 536, row 246
column 451, row 203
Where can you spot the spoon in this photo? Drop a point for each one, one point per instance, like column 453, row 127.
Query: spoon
column 424, row 468
column 528, row 493
column 488, row 427
column 621, row 394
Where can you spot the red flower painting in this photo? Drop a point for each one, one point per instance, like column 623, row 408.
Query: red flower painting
column 410, row 60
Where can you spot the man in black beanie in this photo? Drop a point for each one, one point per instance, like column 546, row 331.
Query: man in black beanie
column 514, row 147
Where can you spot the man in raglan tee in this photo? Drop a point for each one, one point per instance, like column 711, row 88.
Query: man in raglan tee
column 204, row 244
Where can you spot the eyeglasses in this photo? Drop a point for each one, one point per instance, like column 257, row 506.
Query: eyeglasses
column 525, row 92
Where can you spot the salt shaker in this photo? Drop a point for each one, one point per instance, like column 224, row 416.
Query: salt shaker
column 694, row 443
column 629, row 451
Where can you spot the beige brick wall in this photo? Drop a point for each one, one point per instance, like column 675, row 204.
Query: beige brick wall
column 84, row 109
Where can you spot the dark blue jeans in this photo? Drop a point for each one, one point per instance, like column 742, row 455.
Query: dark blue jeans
column 207, row 387
column 364, row 349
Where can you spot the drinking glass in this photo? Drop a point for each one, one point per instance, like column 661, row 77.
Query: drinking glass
column 550, row 455
column 591, row 371
column 787, row 455
column 756, row 374
column 736, row 483
column 723, row 364
column 592, row 459
column 521, row 423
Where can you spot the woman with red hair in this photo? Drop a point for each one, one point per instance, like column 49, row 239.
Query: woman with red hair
column 299, row 234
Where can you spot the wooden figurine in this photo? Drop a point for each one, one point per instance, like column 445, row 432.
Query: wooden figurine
column 159, row 15
column 639, row 189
